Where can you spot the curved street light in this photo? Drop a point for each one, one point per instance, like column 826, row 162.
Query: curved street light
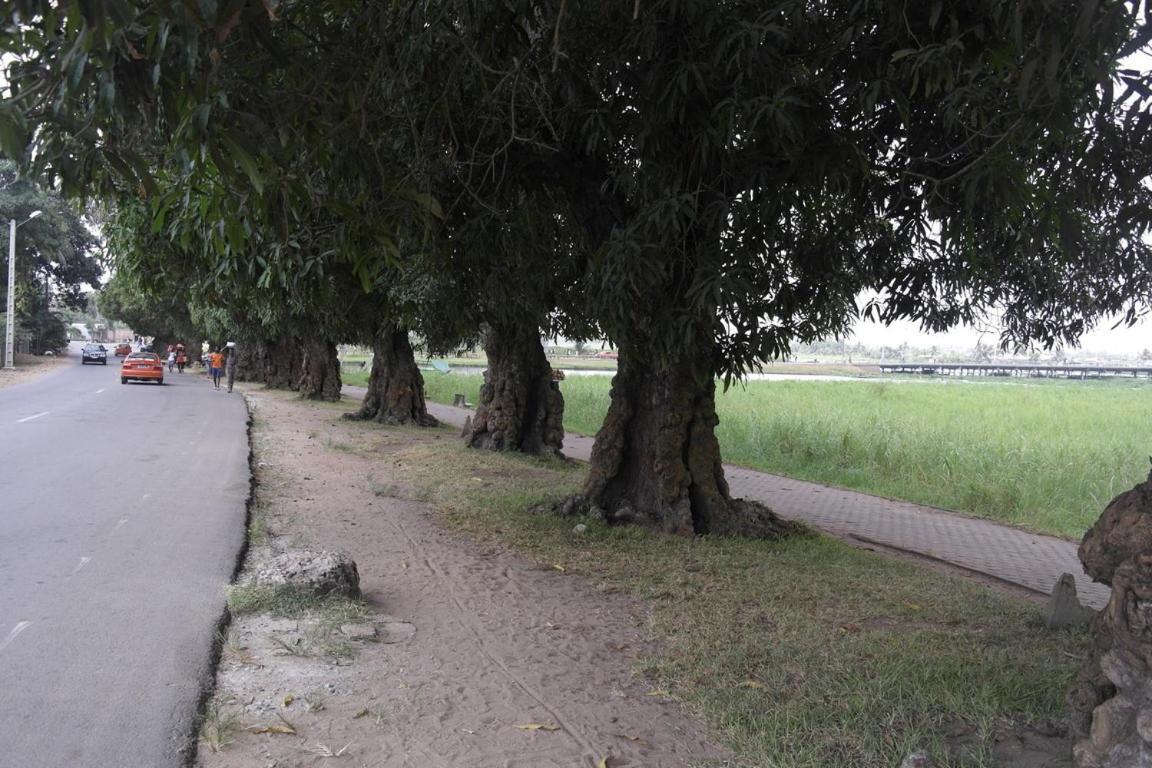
column 10, row 324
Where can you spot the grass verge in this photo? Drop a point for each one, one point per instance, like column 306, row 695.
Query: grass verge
column 294, row 603
column 800, row 654
column 1047, row 456
column 220, row 725
column 320, row 617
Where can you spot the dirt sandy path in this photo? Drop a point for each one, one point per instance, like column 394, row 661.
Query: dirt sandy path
column 471, row 642
column 28, row 368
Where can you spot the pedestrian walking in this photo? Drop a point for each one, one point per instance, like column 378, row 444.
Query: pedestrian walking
column 230, row 365
column 216, row 367
column 171, row 359
column 181, row 358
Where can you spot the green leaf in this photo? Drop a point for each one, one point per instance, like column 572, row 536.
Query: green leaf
column 143, row 175
column 13, row 134
column 235, row 232
column 122, row 168
column 246, row 161
column 76, row 69
column 158, row 219
column 426, row 202
column 934, row 16
column 108, row 96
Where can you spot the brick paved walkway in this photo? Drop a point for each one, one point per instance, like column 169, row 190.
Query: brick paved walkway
column 1025, row 559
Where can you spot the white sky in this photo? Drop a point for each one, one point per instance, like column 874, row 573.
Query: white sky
column 1122, row 341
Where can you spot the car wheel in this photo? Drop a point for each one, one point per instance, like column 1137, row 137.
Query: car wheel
column 161, row 382
column 83, row 362
column 103, row 362
column 123, row 380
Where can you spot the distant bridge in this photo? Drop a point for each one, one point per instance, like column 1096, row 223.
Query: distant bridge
column 1009, row 369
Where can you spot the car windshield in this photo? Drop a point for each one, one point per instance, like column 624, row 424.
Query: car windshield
column 142, row 356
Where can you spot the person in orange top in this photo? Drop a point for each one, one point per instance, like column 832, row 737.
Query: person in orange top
column 216, row 360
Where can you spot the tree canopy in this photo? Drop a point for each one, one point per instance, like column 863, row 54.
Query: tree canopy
column 56, row 256
column 812, row 151
column 703, row 181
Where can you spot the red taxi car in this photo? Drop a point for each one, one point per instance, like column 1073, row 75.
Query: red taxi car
column 142, row 366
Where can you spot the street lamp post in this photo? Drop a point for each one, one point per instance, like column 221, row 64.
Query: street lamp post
column 10, row 324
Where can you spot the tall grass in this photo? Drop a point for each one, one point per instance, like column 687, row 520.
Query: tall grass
column 1043, row 455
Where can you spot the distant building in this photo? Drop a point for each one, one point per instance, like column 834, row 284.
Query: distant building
column 114, row 335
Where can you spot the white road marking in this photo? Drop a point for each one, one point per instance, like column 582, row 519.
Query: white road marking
column 33, row 416
column 145, row 497
column 99, row 391
column 20, row 627
column 83, row 562
column 122, row 521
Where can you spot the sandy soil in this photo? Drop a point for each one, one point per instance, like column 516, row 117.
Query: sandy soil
column 29, row 367
column 476, row 658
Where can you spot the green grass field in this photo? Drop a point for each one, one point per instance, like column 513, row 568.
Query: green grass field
column 1045, row 455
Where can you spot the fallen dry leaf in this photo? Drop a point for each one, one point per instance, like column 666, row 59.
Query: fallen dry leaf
column 658, row 692
column 538, row 727
column 277, row 728
column 326, row 751
column 362, row 713
column 750, row 684
column 289, row 699
column 560, row 568
column 636, row 739
column 603, row 762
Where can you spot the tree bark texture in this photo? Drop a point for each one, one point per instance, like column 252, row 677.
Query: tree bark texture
column 521, row 407
column 1110, row 705
column 283, row 363
column 252, row 360
column 656, row 460
column 319, row 371
column 395, row 387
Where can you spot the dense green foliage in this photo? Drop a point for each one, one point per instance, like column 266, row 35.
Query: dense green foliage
column 703, row 181
column 1043, row 455
column 765, row 164
column 56, row 257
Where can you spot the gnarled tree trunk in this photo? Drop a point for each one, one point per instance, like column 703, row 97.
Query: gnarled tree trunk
column 520, row 408
column 395, row 387
column 656, row 460
column 319, row 371
column 283, row 363
column 252, row 360
column 1110, row 707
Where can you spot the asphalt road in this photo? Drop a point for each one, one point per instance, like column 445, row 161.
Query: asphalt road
column 121, row 519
